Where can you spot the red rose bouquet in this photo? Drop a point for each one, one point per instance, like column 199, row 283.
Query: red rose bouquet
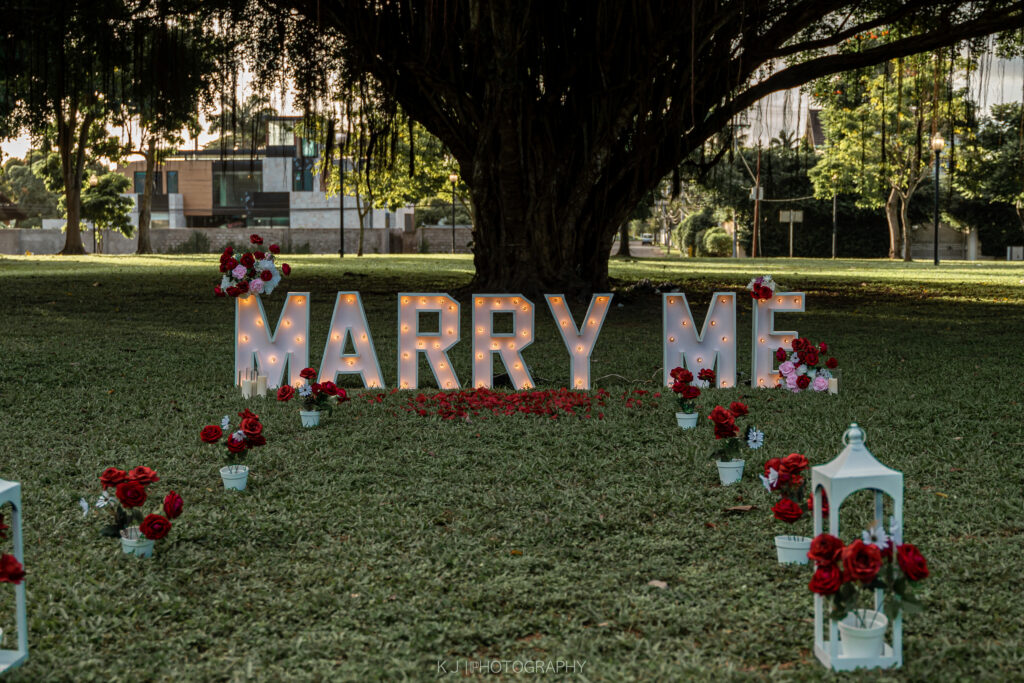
column 11, row 571
column 762, row 287
column 253, row 272
column 805, row 366
column 238, row 442
column 849, row 575
column 315, row 396
column 686, row 393
column 731, row 438
column 124, row 493
column 785, row 477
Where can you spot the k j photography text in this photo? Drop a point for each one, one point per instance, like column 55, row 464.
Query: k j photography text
column 470, row 667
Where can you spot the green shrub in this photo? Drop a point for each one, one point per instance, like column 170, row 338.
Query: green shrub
column 717, row 242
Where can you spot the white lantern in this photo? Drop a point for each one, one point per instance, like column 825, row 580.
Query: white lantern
column 10, row 492
column 855, row 469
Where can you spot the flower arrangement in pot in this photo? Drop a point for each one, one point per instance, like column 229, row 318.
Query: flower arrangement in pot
column 805, row 366
column 237, row 444
column 730, row 443
column 762, row 287
column 253, row 272
column 11, row 571
column 785, row 478
column 850, row 575
column 315, row 397
column 686, row 396
column 123, row 496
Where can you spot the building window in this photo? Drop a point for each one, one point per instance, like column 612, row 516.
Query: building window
column 236, row 188
column 172, row 182
column 302, row 174
column 140, row 182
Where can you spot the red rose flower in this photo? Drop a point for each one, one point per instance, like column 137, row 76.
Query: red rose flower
column 803, row 381
column 111, row 477
column 681, row 375
column 787, row 511
column 824, row 504
column 211, row 434
column 286, row 269
column 248, row 260
column 726, row 430
column 259, row 255
column 329, row 388
column 143, row 475
column 308, row 373
column 831, row 364
column 738, row 409
column 254, row 441
column 11, row 571
column 780, row 354
column 232, row 263
column 773, row 464
column 794, row 463
column 826, row 580
column 342, row 395
column 285, row 392
column 861, row 561
column 132, row 494
column 810, row 356
column 690, row 392
column 266, row 275
column 797, row 344
column 155, row 527
column 255, row 239
column 274, row 249
column 678, row 386
column 251, row 427
column 217, row 291
column 825, row 549
column 911, row 562
column 248, row 413
column 706, row 374
column 236, row 445
column 823, row 347
column 721, row 415
column 172, row 505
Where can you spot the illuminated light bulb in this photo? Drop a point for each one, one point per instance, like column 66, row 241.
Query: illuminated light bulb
column 725, row 339
column 517, row 366
column 479, row 356
column 405, row 328
column 526, row 309
column 373, row 385
column 700, row 360
column 451, row 331
column 723, row 299
column 259, row 323
column 436, row 345
column 526, row 333
column 405, row 299
column 300, row 300
column 480, row 385
column 579, row 348
column 511, row 345
column 497, row 302
column 335, row 336
column 761, row 340
column 515, row 302
column 442, row 366
column 797, row 301
column 405, row 355
column 760, row 381
column 786, row 340
column 423, row 299
column 451, row 308
column 440, row 300
column 671, row 339
column 565, row 323
column 244, row 337
column 724, row 384
column 685, row 323
column 421, row 345
column 273, row 359
column 479, row 330
column 713, row 323
column 448, row 384
column 350, row 362
column 405, row 385
column 579, row 382
column 591, row 322
column 671, row 300
column 298, row 340
column 554, row 300
column 350, row 299
column 494, row 345
column 287, row 323
column 479, row 302
column 602, row 299
column 363, row 337
column 527, row 385
column 779, row 300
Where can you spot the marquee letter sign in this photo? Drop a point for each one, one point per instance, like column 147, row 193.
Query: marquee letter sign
column 579, row 344
column 349, row 322
column 716, row 341
column 508, row 345
column 766, row 339
column 256, row 348
column 412, row 341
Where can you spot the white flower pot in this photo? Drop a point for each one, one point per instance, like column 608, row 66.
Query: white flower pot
column 235, row 477
column 134, row 543
column 792, row 549
column 687, row 420
column 861, row 642
column 730, row 471
column 310, row 418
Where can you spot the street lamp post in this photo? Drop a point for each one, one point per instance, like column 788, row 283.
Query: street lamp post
column 454, row 178
column 835, row 195
column 937, row 145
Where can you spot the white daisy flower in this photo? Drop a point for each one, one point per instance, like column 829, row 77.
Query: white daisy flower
column 770, row 481
column 305, row 390
column 225, row 422
column 755, row 439
column 876, row 536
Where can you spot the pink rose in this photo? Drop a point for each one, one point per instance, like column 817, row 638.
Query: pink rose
column 787, row 368
column 239, row 271
column 256, row 286
column 791, row 383
column 819, row 383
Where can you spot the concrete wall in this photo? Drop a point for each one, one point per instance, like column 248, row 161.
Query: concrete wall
column 437, row 239
column 953, row 244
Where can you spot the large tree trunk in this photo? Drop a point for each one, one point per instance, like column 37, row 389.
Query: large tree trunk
column 624, row 240
column 361, row 211
column 905, row 225
column 71, row 142
column 146, row 203
column 892, row 217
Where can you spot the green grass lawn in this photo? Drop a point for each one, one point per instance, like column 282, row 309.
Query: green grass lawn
column 383, row 542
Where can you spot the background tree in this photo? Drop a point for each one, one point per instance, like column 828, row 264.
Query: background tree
column 28, row 191
column 243, row 126
column 104, row 205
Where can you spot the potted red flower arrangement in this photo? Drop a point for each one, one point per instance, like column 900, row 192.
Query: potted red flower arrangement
column 315, row 397
column 11, row 571
column 849, row 576
column 785, row 477
column 686, row 396
column 730, row 443
column 253, row 272
column 806, row 366
column 248, row 435
column 124, row 494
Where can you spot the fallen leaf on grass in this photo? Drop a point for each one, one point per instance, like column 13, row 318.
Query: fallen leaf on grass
column 940, row 493
column 515, row 552
column 710, row 525
column 603, row 623
column 111, row 391
column 740, row 508
column 657, row 584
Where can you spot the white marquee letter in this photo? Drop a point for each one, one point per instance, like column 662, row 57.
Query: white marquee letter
column 508, row 345
column 579, row 345
column 256, row 348
column 717, row 340
column 349, row 320
column 766, row 339
column 435, row 345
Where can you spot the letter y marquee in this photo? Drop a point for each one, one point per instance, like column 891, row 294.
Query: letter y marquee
column 256, row 347
column 716, row 342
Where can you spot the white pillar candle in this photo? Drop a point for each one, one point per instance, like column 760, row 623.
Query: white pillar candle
column 261, row 386
column 833, row 385
column 247, row 386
